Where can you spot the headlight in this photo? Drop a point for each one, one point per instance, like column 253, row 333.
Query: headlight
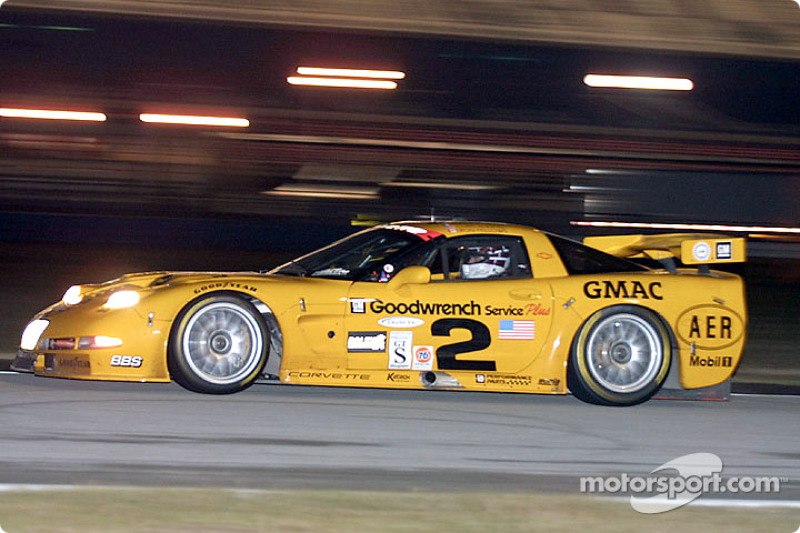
column 122, row 299
column 73, row 295
column 31, row 334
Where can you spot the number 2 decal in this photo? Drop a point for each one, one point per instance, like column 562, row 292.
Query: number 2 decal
column 481, row 339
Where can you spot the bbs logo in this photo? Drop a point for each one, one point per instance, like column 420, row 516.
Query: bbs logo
column 126, row 360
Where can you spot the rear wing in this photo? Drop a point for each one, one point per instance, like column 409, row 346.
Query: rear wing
column 690, row 248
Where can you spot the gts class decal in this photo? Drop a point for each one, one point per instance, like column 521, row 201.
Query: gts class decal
column 400, row 343
column 623, row 289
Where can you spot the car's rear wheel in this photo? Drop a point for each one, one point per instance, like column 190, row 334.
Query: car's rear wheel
column 219, row 344
column 621, row 356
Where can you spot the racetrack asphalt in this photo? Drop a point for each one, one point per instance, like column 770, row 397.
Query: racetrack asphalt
column 276, row 436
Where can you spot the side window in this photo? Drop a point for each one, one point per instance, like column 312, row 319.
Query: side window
column 484, row 257
column 580, row 259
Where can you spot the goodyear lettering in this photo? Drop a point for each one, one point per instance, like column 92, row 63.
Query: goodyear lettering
column 226, row 285
column 713, row 327
column 623, row 289
column 711, row 362
column 73, row 363
column 424, row 308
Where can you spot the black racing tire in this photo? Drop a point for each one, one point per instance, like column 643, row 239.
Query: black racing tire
column 621, row 356
column 219, row 344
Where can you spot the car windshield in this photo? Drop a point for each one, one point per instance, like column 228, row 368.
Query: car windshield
column 353, row 257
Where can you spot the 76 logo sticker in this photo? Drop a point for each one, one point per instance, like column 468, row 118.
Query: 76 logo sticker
column 423, row 358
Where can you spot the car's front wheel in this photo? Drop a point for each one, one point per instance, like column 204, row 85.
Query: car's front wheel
column 621, row 356
column 219, row 345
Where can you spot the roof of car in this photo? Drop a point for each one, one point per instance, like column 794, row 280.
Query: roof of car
column 451, row 228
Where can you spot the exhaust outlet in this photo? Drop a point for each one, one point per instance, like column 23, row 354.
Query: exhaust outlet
column 439, row 380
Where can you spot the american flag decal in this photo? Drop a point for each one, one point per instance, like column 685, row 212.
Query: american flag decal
column 517, row 329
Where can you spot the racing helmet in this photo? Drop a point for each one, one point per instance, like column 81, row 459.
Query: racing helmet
column 481, row 262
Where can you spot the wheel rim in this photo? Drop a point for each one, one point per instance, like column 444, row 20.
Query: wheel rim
column 624, row 353
column 222, row 343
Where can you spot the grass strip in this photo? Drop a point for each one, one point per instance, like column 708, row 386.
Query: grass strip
column 144, row 510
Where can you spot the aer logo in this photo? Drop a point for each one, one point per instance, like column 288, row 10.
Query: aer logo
column 710, row 327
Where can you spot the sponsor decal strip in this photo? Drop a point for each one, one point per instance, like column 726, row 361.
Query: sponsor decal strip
column 623, row 289
column 366, row 341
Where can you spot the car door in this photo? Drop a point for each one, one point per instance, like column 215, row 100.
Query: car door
column 481, row 310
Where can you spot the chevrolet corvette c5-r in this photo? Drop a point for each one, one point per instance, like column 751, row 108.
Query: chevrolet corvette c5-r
column 435, row 305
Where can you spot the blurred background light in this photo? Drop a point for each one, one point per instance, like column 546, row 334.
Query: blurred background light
column 638, row 82
column 311, row 190
column 346, row 78
column 351, row 73
column 341, row 83
column 441, row 185
column 194, row 120
column 52, row 114
column 688, row 227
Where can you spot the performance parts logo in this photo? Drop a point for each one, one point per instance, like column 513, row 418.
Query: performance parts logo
column 677, row 483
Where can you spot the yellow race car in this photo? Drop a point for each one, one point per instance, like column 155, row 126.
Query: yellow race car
column 440, row 305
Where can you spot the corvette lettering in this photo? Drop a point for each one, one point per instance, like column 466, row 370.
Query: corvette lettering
column 623, row 289
column 329, row 375
column 425, row 308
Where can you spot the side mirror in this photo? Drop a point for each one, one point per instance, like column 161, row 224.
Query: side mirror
column 410, row 275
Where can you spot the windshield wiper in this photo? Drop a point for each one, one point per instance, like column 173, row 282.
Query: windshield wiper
column 294, row 269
